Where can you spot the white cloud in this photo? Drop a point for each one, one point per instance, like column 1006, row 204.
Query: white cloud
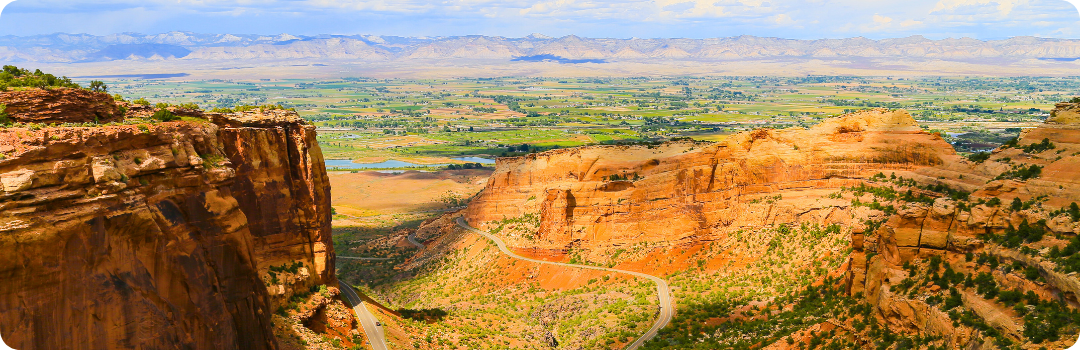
column 784, row 20
column 882, row 20
column 1004, row 7
column 910, row 23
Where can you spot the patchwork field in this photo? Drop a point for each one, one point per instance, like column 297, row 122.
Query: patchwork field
column 430, row 121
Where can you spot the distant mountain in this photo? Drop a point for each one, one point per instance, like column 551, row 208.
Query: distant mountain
column 192, row 46
column 140, row 51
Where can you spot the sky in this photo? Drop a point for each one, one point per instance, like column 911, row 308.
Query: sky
column 795, row 19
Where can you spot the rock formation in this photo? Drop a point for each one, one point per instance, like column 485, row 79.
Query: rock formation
column 158, row 235
column 915, row 209
column 611, row 195
column 59, row 105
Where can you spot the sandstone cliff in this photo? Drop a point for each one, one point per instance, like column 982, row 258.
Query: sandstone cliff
column 973, row 253
column 613, row 195
column 178, row 235
column 59, row 105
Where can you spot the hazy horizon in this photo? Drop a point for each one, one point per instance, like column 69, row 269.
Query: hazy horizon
column 693, row 19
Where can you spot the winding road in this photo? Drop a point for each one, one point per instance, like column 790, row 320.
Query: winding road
column 371, row 325
column 662, row 289
column 368, row 321
column 412, row 239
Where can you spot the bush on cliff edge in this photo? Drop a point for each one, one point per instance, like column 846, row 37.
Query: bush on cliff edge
column 13, row 76
column 4, row 118
column 165, row 115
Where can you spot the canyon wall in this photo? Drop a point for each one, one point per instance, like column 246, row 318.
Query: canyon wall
column 176, row 235
column 912, row 206
column 685, row 191
column 953, row 229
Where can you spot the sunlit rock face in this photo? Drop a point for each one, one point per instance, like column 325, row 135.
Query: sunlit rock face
column 159, row 236
column 595, row 201
column 612, row 195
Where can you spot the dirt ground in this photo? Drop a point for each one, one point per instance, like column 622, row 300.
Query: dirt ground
column 370, row 193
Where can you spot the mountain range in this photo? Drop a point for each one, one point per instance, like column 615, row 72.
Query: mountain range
column 69, row 48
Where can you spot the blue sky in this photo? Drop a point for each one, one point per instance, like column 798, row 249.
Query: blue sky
column 807, row 19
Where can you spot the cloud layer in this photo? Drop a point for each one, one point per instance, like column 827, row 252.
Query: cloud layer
column 806, row 19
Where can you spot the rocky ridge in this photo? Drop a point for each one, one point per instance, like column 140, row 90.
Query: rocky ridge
column 143, row 234
column 998, row 225
column 192, row 46
column 684, row 191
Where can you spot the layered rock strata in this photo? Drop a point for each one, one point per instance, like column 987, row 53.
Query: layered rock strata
column 906, row 197
column 59, row 105
column 178, row 235
column 685, row 191
column 953, row 229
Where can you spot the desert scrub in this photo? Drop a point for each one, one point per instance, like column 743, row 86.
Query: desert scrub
column 1013, row 237
column 13, row 76
column 211, row 161
column 1021, row 172
column 5, row 120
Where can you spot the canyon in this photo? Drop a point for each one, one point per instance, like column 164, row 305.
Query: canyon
column 932, row 247
column 213, row 230
column 146, row 234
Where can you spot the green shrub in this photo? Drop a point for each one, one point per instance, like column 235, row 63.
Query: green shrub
column 1013, row 142
column 1039, row 147
column 4, row 118
column 141, row 101
column 1021, row 172
column 978, row 157
column 98, row 86
column 1025, row 233
column 13, row 76
column 165, row 116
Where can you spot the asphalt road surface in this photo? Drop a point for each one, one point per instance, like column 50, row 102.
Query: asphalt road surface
column 367, row 320
column 412, row 239
column 662, row 289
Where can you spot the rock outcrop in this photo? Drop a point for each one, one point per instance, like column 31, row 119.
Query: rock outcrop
column 678, row 191
column 916, row 211
column 59, row 105
column 951, row 229
column 178, row 235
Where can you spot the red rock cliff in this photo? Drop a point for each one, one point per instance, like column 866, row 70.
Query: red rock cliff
column 159, row 236
column 930, row 209
column 609, row 195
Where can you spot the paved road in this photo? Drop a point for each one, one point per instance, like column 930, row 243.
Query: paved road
column 367, row 320
column 662, row 289
column 412, row 239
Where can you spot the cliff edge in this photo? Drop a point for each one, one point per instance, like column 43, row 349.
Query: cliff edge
column 163, row 235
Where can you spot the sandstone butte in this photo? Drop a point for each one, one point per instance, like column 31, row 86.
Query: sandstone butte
column 156, row 235
column 593, row 200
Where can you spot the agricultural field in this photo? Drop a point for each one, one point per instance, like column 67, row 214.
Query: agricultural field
column 424, row 138
column 429, row 122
